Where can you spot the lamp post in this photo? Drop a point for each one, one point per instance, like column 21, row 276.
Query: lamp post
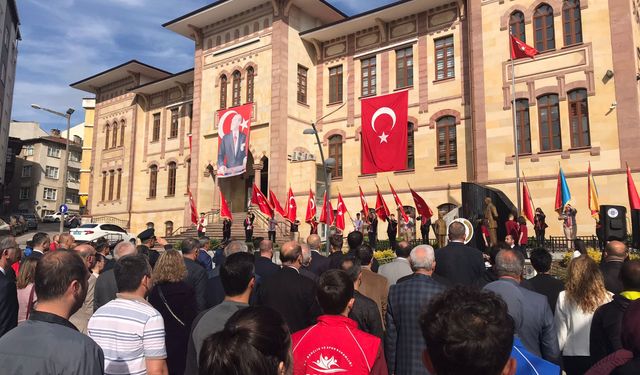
column 66, row 115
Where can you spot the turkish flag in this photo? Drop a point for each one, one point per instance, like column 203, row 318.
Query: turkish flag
column 527, row 204
column 194, row 211
column 399, row 204
column 421, row 206
column 384, row 133
column 365, row 206
column 311, row 207
column 634, row 199
column 224, row 208
column 273, row 201
column 326, row 205
column 291, row 207
column 260, row 200
column 381, row 207
column 521, row 49
column 341, row 211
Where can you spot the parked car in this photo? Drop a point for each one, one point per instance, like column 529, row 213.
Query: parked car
column 93, row 231
column 32, row 221
column 53, row 218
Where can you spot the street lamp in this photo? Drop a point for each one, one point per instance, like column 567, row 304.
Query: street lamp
column 66, row 115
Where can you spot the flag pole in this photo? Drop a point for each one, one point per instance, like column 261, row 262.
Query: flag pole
column 515, row 128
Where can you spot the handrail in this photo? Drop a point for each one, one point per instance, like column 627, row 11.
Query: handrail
column 182, row 229
column 283, row 229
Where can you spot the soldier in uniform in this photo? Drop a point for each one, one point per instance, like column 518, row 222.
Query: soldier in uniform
column 440, row 229
column 148, row 244
column 491, row 215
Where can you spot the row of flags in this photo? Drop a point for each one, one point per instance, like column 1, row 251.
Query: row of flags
column 563, row 195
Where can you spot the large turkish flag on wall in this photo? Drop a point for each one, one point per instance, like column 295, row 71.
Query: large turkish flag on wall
column 384, row 133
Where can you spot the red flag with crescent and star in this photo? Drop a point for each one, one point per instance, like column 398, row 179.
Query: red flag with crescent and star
column 225, row 212
column 323, row 214
column 520, row 49
column 233, row 140
column 292, row 207
column 381, row 207
column 421, row 206
column 311, row 207
column 341, row 211
column 260, row 200
column 194, row 211
column 365, row 206
column 399, row 204
column 384, row 132
column 273, row 201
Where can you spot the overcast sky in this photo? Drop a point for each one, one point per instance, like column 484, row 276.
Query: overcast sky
column 64, row 41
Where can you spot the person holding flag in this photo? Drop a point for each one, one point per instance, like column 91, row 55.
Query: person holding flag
column 567, row 213
column 372, row 230
column 392, row 231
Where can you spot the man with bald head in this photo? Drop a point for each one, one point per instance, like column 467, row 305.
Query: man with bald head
column 457, row 262
column 81, row 317
column 290, row 293
column 615, row 254
column 264, row 264
column 66, row 241
column 319, row 262
column 106, row 287
column 306, row 262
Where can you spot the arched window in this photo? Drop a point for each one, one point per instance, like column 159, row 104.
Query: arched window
column 235, row 94
column 168, row 228
column 265, row 23
column 209, row 43
column 106, row 136
column 218, row 40
column 543, row 27
column 122, row 124
column 112, row 174
column 579, row 118
column 410, row 148
column 104, row 186
column 153, row 180
column 171, row 179
column 256, row 27
column 571, row 22
column 246, row 30
column 524, row 126
column 223, row 92
column 236, row 34
column 335, row 152
column 114, row 139
column 516, row 25
column 549, row 123
column 447, row 143
column 227, row 37
column 250, row 74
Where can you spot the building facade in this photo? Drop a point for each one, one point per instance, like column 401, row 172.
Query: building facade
column 10, row 35
column 89, row 105
column 303, row 61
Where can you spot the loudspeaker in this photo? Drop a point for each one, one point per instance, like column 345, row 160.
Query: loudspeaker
column 614, row 222
column 635, row 228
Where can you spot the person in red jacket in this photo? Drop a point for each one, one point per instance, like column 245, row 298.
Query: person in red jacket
column 512, row 228
column 335, row 344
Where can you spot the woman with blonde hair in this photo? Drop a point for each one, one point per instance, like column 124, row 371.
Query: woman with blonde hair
column 584, row 293
column 26, row 292
column 176, row 302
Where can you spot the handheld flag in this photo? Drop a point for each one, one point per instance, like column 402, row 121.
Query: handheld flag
column 311, row 207
column 592, row 195
column 225, row 213
column 365, row 206
column 273, row 201
column 323, row 214
column 341, row 211
column 521, row 49
column 563, row 195
column 260, row 200
column 194, row 211
column 292, row 207
column 399, row 204
column 381, row 206
column 527, row 203
column 634, row 199
column 421, row 206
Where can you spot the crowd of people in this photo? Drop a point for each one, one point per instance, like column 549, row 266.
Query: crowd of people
column 152, row 309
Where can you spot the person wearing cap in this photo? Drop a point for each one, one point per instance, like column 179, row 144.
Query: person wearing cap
column 148, row 239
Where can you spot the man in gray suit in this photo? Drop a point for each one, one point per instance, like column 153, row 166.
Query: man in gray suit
column 106, row 287
column 530, row 310
column 233, row 147
column 400, row 266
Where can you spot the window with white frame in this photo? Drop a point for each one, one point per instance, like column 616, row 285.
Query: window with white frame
column 74, row 176
column 50, row 194
column 25, row 192
column 26, row 171
column 54, row 152
column 75, row 156
column 52, row 172
column 28, row 150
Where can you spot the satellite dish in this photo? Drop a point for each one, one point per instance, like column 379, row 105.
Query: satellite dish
column 468, row 229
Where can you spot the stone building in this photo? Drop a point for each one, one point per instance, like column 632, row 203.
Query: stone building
column 298, row 61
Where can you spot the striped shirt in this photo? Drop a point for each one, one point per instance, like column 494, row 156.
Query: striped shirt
column 128, row 331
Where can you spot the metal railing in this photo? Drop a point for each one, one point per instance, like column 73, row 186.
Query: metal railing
column 110, row 220
column 282, row 228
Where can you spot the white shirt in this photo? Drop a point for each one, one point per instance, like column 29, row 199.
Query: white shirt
column 573, row 326
column 2, row 270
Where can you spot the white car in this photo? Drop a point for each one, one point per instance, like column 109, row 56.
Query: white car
column 93, row 231
column 53, row 218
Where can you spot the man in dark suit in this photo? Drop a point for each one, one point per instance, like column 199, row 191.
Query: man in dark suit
column 364, row 310
column 306, row 262
column 372, row 231
column 264, row 265
column 319, row 262
column 457, row 262
column 615, row 252
column 233, row 148
column 289, row 293
column 8, row 294
column 336, row 251
column 403, row 342
column 392, row 231
column 40, row 242
column 544, row 283
column 106, row 288
column 196, row 274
